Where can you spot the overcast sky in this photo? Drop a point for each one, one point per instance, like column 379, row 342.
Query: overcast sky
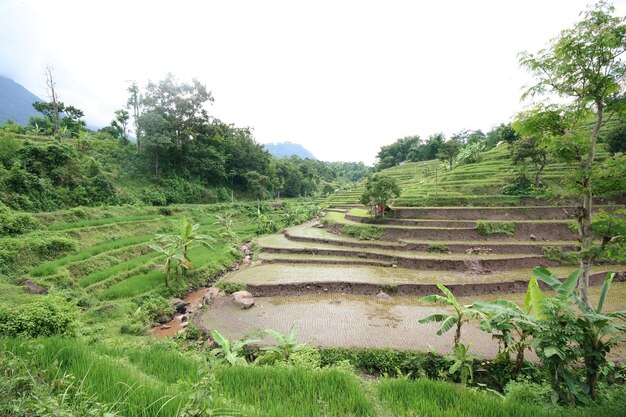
column 342, row 78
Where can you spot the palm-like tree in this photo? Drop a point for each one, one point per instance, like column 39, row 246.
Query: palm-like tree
column 461, row 314
column 176, row 247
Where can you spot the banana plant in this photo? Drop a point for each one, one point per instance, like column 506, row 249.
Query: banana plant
column 462, row 361
column 231, row 352
column 174, row 258
column 601, row 331
column 462, row 314
column 508, row 324
column 287, row 344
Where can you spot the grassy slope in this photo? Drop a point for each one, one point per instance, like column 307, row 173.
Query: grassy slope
column 480, row 184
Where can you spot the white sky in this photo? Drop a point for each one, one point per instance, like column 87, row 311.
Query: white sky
column 342, row 78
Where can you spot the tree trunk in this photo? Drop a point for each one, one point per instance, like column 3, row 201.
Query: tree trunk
column 519, row 359
column 457, row 334
column 540, row 168
column 167, row 274
column 592, row 382
column 584, row 219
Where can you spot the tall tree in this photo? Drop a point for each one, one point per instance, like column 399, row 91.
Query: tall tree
column 121, row 122
column 54, row 98
column 584, row 66
column 134, row 104
column 448, row 151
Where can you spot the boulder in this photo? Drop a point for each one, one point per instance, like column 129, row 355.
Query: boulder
column 163, row 318
column 184, row 318
column 532, row 237
column 212, row 294
column 33, row 287
column 180, row 306
column 243, row 299
column 383, row 296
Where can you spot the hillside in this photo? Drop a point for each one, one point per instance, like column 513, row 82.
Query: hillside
column 287, row 149
column 16, row 102
column 430, row 183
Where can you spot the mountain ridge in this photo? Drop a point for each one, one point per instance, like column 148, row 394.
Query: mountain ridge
column 16, row 102
column 287, row 149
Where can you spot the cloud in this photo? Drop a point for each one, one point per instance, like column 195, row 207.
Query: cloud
column 340, row 78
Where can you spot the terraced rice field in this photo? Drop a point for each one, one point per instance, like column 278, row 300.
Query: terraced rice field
column 113, row 261
column 480, row 184
column 325, row 282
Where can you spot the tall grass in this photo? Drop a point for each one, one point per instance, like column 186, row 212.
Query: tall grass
column 108, row 379
column 138, row 284
column 129, row 265
column 101, row 222
column 426, row 398
column 52, row 267
column 297, row 392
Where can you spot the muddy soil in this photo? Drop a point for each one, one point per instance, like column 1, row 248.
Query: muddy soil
column 494, row 247
column 467, row 289
column 523, row 231
column 488, row 213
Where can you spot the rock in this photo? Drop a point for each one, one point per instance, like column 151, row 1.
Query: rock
column 33, row 287
column 181, row 331
column 185, row 324
column 243, row 299
column 180, row 306
column 478, row 250
column 163, row 318
column 165, row 327
column 383, row 296
column 394, row 266
column 184, row 318
column 532, row 237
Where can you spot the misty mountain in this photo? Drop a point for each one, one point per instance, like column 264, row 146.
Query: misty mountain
column 16, row 102
column 287, row 149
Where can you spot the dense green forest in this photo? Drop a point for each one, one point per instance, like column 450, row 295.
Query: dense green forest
column 181, row 155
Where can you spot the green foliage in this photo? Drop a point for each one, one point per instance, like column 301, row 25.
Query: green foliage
column 45, row 316
column 519, row 186
column 294, row 391
column 496, row 228
column 461, row 313
column 287, row 344
column 229, row 287
column 363, row 232
column 616, row 139
column 230, row 352
column 12, row 223
column 526, row 392
column 462, row 363
column 380, row 190
column 553, row 253
column 437, row 248
column 448, row 151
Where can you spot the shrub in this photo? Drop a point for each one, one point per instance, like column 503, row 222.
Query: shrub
column 553, row 253
column 12, row 223
column 526, row 392
column 153, row 196
column 153, row 306
column 437, row 248
column 46, row 316
column 363, row 232
column 496, row 228
column 230, row 287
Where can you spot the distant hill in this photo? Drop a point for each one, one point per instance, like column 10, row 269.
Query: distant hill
column 16, row 102
column 287, row 149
